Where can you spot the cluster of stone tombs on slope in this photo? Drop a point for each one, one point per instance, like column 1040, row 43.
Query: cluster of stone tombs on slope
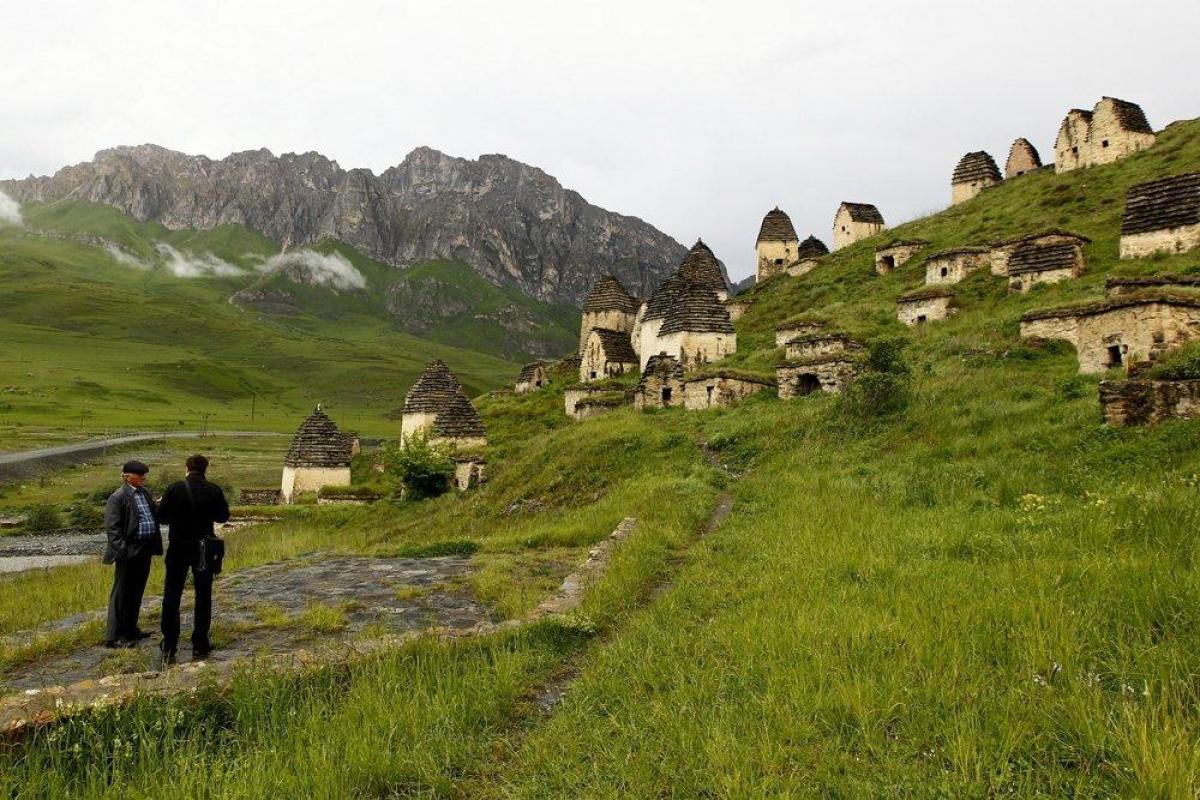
column 1110, row 131
column 437, row 407
column 779, row 249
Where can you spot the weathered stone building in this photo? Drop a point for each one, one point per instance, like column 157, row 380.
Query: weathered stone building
column 1022, row 157
column 597, row 404
column 952, row 266
column 574, row 395
column 896, row 254
column 721, row 388
column 697, row 328
column 661, row 385
column 815, row 345
column 819, row 362
column 737, row 306
column 606, row 353
column 1121, row 330
column 975, row 172
column 808, row 256
column 1118, row 286
column 317, row 458
column 651, row 317
column 790, row 329
column 429, row 395
column 437, row 407
column 855, row 221
column 1162, row 216
column 927, row 304
column 1112, row 130
column 469, row 471
column 1003, row 250
column 608, row 306
column 1036, row 262
column 1145, row 402
column 776, row 245
column 533, row 377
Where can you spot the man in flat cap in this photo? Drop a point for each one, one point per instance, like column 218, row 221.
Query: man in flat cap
column 133, row 538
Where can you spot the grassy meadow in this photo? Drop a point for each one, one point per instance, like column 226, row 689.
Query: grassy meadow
column 987, row 593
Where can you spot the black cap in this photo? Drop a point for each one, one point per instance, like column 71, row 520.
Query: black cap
column 134, row 468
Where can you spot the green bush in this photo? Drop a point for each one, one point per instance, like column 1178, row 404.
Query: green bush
column 85, row 515
column 42, row 518
column 422, row 469
column 885, row 385
column 1181, row 365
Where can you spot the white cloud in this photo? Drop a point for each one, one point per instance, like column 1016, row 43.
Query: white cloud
column 10, row 211
column 126, row 259
column 316, row 269
column 188, row 265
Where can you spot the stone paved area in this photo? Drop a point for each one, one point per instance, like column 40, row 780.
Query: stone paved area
column 275, row 608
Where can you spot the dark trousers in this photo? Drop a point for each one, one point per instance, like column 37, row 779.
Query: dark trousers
column 181, row 558
column 125, row 599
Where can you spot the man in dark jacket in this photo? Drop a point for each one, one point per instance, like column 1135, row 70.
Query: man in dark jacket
column 133, row 539
column 189, row 507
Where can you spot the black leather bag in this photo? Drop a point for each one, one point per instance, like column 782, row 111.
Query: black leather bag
column 211, row 555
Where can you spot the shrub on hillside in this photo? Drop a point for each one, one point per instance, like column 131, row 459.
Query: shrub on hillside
column 42, row 518
column 1181, row 365
column 85, row 516
column 422, row 469
column 884, row 387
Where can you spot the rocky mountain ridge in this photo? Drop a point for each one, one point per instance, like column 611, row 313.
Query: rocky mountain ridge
column 513, row 223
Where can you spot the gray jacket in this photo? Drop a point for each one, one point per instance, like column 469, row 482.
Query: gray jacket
column 121, row 525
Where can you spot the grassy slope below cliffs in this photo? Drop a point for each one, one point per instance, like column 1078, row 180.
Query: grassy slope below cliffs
column 92, row 344
column 988, row 594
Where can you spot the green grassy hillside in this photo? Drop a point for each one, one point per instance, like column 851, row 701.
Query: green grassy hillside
column 987, row 593
column 96, row 341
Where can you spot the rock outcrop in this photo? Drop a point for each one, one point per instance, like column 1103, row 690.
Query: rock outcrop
column 511, row 222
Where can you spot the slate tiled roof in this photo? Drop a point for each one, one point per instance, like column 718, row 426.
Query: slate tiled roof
column 901, row 243
column 976, row 166
column 663, row 298
column 1041, row 258
column 1115, row 303
column 777, row 227
column 663, row 366
column 433, row 389
column 609, row 295
column 863, row 212
column 701, row 267
column 925, row 293
column 1031, row 237
column 697, row 310
column 812, row 247
column 616, row 344
column 318, row 443
column 458, row 420
column 1130, row 116
column 1147, row 281
column 1165, row 203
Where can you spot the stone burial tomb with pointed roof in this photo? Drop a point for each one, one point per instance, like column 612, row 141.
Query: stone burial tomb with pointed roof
column 697, row 328
column 855, row 221
column 896, row 254
column 661, row 385
column 975, row 172
column 609, row 306
column 821, row 362
column 606, row 354
column 653, row 312
column 1022, row 157
column 927, row 304
column 701, row 267
column 808, row 255
column 319, row 457
column 952, row 266
column 1112, row 130
column 1162, row 216
column 1120, row 331
column 776, row 245
column 437, row 407
column 532, row 377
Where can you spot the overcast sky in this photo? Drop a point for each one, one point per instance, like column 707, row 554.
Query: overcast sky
column 696, row 116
